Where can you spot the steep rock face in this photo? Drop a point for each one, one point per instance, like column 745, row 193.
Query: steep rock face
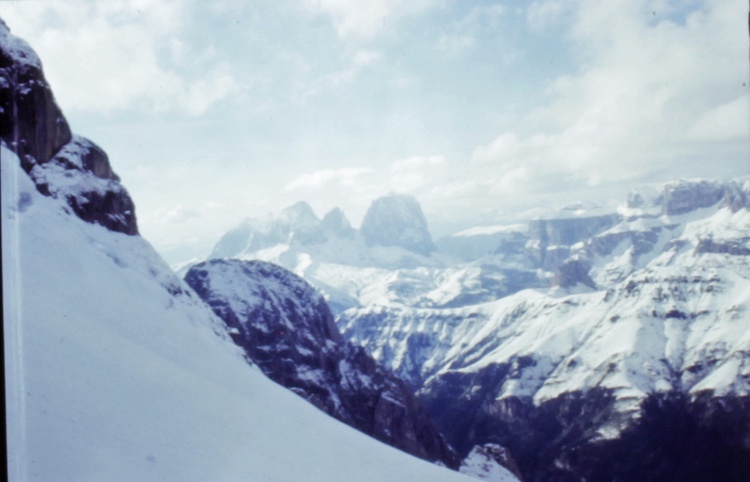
column 685, row 196
column 61, row 165
column 551, row 240
column 286, row 328
column 397, row 220
column 33, row 126
column 572, row 272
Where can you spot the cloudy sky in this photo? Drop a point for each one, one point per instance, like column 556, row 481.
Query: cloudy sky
column 216, row 111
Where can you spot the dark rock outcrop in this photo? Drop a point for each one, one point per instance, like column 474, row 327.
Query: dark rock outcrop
column 572, row 272
column 32, row 125
column 285, row 327
column 676, row 438
column 397, row 220
column 735, row 247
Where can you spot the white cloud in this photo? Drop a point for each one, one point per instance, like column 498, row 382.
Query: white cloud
column 218, row 84
column 415, row 173
column 503, row 149
column 179, row 214
column 544, row 13
column 361, row 60
column 480, row 21
column 456, row 44
column 121, row 55
column 725, row 122
column 352, row 18
column 328, row 178
column 650, row 88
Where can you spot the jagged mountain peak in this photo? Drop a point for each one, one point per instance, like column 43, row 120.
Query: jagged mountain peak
column 397, row 220
column 335, row 221
column 298, row 215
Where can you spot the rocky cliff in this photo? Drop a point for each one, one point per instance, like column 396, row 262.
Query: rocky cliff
column 397, row 220
column 61, row 165
column 286, row 328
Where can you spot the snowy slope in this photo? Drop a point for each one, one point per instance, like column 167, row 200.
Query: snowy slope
column 648, row 308
column 117, row 372
column 675, row 318
column 286, row 329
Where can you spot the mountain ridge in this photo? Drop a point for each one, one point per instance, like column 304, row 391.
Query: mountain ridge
column 585, row 320
column 285, row 327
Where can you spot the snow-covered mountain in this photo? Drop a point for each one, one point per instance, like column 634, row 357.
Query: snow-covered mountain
column 651, row 301
column 397, row 220
column 297, row 238
column 286, row 328
column 116, row 370
column 553, row 342
column 353, row 268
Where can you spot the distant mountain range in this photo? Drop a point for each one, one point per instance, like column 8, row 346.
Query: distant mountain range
column 553, row 339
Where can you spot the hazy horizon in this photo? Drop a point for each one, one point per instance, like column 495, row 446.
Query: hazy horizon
column 214, row 112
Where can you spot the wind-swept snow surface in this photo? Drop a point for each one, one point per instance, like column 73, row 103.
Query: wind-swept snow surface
column 117, row 372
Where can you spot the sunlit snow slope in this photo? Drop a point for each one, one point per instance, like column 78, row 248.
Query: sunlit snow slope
column 116, row 371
